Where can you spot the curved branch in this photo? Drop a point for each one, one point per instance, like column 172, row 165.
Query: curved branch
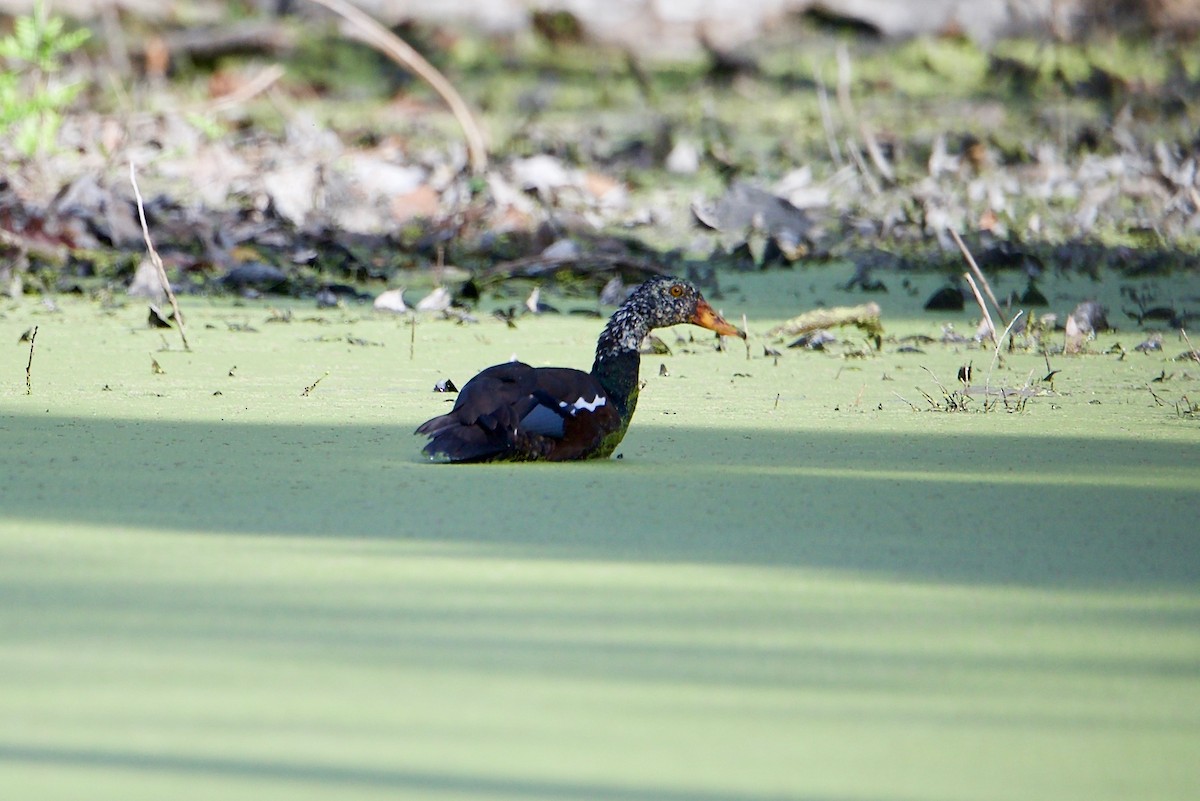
column 403, row 54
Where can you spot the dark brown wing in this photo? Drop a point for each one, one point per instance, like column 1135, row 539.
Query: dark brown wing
column 588, row 414
column 514, row 411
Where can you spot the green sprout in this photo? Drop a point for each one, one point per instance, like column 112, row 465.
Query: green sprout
column 31, row 98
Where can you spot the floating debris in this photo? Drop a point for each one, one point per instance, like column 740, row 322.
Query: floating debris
column 159, row 320
column 653, row 345
column 436, row 301
column 952, row 337
column 1032, row 296
column 1154, row 343
column 1082, row 325
column 865, row 317
column 326, row 298
column 391, row 300
column 254, row 274
column 815, row 340
column 948, row 298
column 146, row 283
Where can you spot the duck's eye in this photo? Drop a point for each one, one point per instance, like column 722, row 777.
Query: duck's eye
column 676, row 291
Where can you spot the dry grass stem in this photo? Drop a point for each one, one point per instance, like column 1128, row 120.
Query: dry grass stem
column 987, row 287
column 848, row 114
column 911, row 405
column 876, row 153
column 29, row 364
column 987, row 384
column 872, row 185
column 983, row 308
column 260, row 83
column 954, row 401
column 308, row 390
column 835, row 152
column 403, row 54
column 844, row 80
column 155, row 258
column 1191, row 350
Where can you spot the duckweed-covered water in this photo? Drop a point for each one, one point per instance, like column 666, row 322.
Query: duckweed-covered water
column 791, row 585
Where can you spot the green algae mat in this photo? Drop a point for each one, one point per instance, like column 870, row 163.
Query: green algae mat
column 799, row 581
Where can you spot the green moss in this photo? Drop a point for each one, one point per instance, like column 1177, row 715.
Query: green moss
column 927, row 67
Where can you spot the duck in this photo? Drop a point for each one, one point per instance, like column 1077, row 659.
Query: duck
column 513, row 412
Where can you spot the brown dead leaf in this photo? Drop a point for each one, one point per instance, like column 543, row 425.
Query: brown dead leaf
column 158, row 58
column 600, row 186
column 422, row 202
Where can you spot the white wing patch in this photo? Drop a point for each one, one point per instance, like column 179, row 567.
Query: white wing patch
column 581, row 405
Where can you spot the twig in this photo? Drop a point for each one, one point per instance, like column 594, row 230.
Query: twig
column 155, row 258
column 872, row 185
column 313, row 385
column 403, row 54
column 835, row 152
column 1194, row 355
column 29, row 364
column 983, row 307
column 987, row 287
column 638, row 74
column 954, row 401
column 270, row 37
column 876, row 153
column 260, row 83
column 843, row 87
column 848, row 115
column 940, row 385
column 911, row 405
column 114, row 38
column 987, row 384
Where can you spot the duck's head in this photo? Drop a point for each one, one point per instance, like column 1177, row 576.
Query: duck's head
column 667, row 300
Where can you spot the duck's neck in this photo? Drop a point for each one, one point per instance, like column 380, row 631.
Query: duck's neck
column 617, row 359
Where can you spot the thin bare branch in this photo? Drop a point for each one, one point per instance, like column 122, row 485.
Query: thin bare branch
column 260, row 83
column 978, row 272
column 876, row 153
column 835, row 151
column 156, row 259
column 403, row 54
column 1191, row 350
column 983, row 308
column 987, row 385
column 844, row 80
column 872, row 184
column 29, row 364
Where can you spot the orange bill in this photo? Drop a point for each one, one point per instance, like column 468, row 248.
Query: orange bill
column 706, row 317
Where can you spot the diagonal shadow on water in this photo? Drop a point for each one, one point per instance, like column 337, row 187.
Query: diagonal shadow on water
column 991, row 509
column 435, row 784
